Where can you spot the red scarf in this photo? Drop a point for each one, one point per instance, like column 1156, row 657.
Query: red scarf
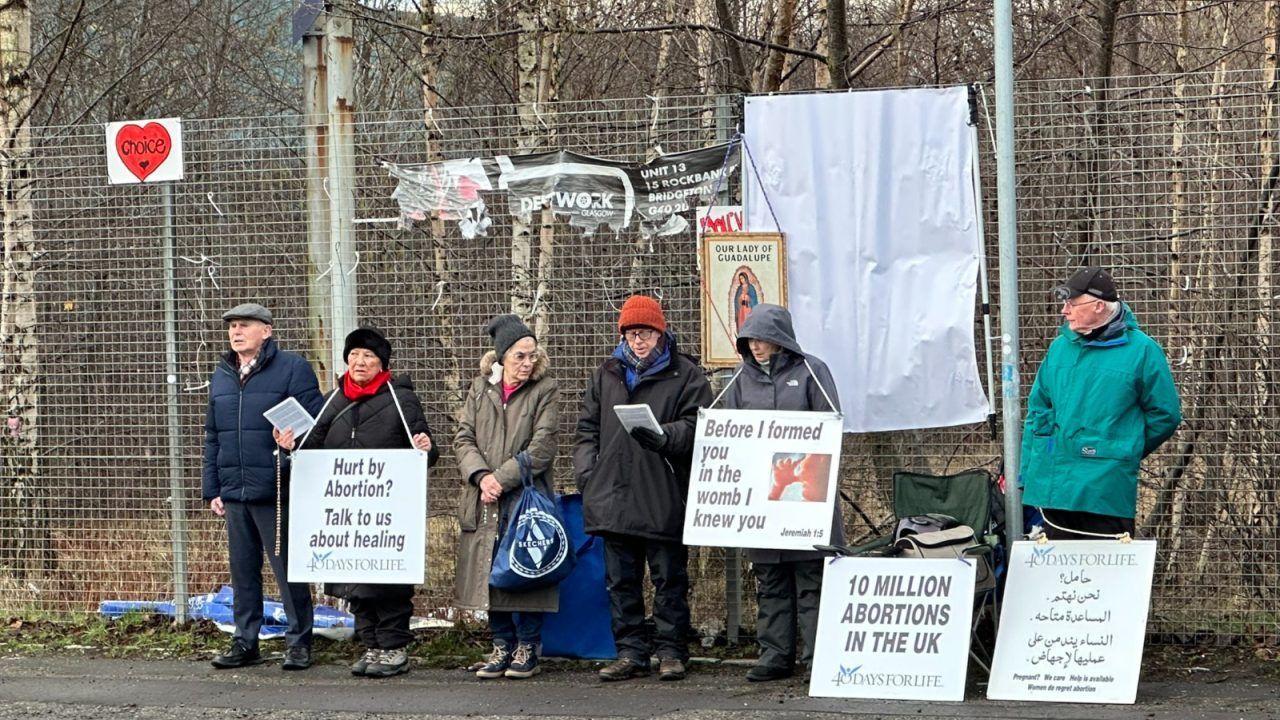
column 358, row 392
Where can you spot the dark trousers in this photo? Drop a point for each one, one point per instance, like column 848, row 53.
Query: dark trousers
column 382, row 622
column 251, row 531
column 625, row 558
column 1084, row 522
column 787, row 595
column 510, row 628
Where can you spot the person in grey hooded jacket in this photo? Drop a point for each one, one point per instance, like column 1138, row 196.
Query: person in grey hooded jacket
column 776, row 374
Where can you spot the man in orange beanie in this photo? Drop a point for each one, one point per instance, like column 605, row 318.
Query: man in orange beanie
column 634, row 485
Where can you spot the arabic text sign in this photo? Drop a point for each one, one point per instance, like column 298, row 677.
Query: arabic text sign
column 763, row 479
column 894, row 628
column 358, row 516
column 1073, row 621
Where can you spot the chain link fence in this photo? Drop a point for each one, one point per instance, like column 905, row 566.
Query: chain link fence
column 1165, row 179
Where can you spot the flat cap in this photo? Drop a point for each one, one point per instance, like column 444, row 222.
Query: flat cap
column 248, row 311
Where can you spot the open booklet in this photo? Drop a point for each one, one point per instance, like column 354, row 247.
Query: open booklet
column 633, row 416
column 290, row 415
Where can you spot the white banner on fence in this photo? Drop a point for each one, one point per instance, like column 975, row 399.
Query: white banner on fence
column 875, row 193
column 893, row 628
column 358, row 516
column 1073, row 621
column 144, row 151
column 763, row 479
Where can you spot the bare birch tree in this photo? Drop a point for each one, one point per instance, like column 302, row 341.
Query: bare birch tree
column 26, row 544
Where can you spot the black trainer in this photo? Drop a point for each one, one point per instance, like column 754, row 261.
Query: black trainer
column 766, row 673
column 297, row 657
column 238, row 656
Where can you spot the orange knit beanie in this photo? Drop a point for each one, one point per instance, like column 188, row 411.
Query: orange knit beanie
column 642, row 311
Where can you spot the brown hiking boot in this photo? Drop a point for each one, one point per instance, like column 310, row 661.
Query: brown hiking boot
column 670, row 669
column 624, row 669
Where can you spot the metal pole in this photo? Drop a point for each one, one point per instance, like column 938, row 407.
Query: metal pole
column 319, row 244
column 984, row 287
column 1006, row 194
column 340, row 87
column 732, row 556
column 177, row 498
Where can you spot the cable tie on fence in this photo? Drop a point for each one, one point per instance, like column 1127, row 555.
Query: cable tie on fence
column 353, row 267
column 324, row 185
column 366, row 221
column 193, row 388
column 199, row 261
column 214, row 204
column 1187, row 286
column 439, row 295
column 537, row 298
column 1186, row 355
column 326, row 270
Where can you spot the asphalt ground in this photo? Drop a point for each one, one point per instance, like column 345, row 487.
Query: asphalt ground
column 57, row 687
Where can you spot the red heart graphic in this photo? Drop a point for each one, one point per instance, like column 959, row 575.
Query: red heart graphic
column 143, row 149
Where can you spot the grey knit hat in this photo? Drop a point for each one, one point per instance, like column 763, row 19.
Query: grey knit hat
column 507, row 330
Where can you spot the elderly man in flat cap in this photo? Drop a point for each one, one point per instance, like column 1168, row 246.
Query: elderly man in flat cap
column 243, row 483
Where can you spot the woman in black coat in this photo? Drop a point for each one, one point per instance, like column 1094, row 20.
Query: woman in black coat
column 362, row 414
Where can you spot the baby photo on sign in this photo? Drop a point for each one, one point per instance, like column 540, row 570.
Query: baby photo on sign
column 800, row 477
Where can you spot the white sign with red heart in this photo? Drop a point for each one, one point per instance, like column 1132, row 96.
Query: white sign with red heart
column 144, row 151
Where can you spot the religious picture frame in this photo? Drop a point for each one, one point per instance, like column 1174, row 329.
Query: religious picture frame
column 739, row 271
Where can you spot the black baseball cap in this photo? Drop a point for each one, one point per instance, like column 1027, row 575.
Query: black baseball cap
column 1092, row 281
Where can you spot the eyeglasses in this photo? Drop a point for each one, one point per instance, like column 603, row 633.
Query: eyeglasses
column 644, row 334
column 1068, row 303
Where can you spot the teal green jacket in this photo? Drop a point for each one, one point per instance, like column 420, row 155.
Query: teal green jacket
column 1096, row 409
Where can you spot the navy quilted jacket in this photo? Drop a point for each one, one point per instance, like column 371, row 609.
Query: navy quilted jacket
column 239, row 459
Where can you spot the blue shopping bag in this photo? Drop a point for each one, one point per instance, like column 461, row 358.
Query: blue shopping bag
column 535, row 550
column 582, row 628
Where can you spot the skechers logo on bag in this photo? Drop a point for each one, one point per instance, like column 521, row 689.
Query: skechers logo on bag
column 541, row 544
column 1088, row 451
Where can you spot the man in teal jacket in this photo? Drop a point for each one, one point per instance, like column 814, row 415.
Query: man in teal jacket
column 1103, row 399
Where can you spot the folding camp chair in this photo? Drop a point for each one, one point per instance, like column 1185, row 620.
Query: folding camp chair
column 967, row 497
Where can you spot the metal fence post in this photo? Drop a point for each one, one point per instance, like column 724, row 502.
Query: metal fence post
column 339, row 43
column 1007, row 214
column 732, row 556
column 177, row 496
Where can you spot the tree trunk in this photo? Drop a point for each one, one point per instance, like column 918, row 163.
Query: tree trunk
column 26, row 544
column 887, row 42
column 537, row 73
column 738, row 78
column 785, row 24
column 837, row 40
column 430, row 55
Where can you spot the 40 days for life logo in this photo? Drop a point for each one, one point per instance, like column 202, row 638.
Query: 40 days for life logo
column 540, row 545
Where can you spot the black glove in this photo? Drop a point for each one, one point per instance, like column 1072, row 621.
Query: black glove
column 648, row 439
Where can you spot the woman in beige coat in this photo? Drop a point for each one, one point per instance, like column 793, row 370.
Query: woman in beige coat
column 512, row 407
